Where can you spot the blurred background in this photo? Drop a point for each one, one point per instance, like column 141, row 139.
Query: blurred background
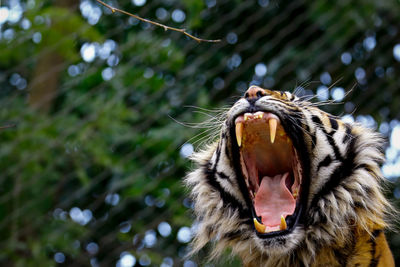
column 105, row 111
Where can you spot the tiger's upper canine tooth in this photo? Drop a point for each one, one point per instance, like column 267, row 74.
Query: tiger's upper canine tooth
column 283, row 225
column 259, row 226
column 239, row 133
column 272, row 128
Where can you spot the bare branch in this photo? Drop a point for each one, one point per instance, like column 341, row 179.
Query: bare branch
column 165, row 27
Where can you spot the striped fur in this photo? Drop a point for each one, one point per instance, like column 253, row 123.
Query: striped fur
column 343, row 220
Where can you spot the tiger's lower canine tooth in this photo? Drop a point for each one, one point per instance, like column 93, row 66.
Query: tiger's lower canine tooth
column 239, row 132
column 272, row 129
column 283, row 225
column 259, row 226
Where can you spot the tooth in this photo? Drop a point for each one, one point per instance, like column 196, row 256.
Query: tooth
column 239, row 132
column 272, row 129
column 295, row 193
column 246, row 117
column 259, row 226
column 283, row 225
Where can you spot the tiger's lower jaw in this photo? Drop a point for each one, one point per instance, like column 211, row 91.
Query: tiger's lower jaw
column 281, row 245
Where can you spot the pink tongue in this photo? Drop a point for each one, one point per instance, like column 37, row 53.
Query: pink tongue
column 274, row 199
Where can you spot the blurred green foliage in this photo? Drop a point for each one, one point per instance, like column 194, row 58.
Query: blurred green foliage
column 93, row 177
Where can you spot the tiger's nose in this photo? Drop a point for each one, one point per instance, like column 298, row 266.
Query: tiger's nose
column 254, row 93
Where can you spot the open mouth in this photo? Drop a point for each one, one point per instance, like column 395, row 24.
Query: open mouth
column 272, row 172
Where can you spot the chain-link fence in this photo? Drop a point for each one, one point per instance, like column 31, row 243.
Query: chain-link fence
column 105, row 110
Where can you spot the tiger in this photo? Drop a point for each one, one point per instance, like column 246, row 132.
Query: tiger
column 287, row 184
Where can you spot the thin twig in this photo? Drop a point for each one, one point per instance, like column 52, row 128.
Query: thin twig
column 165, row 27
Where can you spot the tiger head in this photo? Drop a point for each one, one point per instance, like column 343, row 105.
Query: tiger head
column 284, row 180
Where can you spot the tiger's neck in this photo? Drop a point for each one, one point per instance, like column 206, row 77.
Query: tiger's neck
column 363, row 250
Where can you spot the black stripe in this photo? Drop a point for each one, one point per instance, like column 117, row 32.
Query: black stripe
column 218, row 152
column 331, row 141
column 376, row 233
column 345, row 169
column 359, row 205
column 317, row 121
column 348, row 133
column 325, row 162
column 374, row 260
column 226, row 197
column 342, row 255
column 362, row 166
column 223, row 175
column 333, row 122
